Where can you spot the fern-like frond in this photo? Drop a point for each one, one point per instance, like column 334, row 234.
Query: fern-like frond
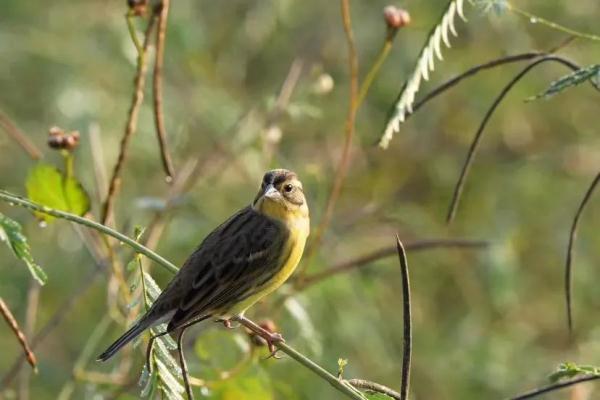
column 425, row 64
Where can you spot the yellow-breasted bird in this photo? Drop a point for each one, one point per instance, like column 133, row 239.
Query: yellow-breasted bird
column 244, row 259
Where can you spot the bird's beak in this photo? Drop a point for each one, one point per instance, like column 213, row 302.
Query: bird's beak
column 272, row 194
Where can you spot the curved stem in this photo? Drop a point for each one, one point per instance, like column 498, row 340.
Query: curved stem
column 569, row 262
column 375, row 387
column 458, row 188
column 407, row 347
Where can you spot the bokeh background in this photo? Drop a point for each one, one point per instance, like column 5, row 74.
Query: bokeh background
column 488, row 323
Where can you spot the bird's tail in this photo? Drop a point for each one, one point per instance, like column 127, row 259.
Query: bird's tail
column 124, row 339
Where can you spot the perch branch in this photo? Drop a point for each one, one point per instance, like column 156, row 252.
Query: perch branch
column 374, row 387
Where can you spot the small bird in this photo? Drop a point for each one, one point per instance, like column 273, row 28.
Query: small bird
column 244, row 259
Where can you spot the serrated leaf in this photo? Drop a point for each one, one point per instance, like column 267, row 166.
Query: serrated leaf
column 48, row 186
column 573, row 79
column 152, row 288
column 12, row 234
column 167, row 377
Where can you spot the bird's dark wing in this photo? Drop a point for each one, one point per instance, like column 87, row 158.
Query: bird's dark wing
column 232, row 263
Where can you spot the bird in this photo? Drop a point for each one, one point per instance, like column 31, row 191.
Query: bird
column 241, row 261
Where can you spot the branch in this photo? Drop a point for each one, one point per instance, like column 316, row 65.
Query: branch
column 305, row 361
column 554, row 387
column 131, row 125
column 572, row 237
column 163, row 13
column 364, row 260
column 14, row 326
column 458, row 189
column 374, row 387
column 18, row 136
column 407, row 320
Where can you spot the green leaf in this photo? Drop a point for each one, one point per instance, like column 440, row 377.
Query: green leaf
column 578, row 77
column 11, row 233
column 48, row 186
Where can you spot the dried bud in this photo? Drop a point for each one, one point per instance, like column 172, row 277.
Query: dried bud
column 267, row 325
column 60, row 140
column 395, row 17
column 138, row 7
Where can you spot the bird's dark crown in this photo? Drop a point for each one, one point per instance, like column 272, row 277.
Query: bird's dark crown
column 276, row 176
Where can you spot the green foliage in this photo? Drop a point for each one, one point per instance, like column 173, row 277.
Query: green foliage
column 570, row 370
column 48, row 186
column 12, row 234
column 590, row 73
column 253, row 384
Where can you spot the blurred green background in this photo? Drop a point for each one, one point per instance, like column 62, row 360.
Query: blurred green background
column 488, row 323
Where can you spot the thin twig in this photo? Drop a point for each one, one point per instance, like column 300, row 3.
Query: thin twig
column 458, row 188
column 341, row 386
column 132, row 119
column 18, row 136
column 407, row 348
column 159, row 119
column 14, row 326
column 366, row 259
column 349, row 128
column 554, row 387
column 374, row 387
column 569, row 262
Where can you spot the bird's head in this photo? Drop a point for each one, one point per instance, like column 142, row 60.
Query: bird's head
column 281, row 196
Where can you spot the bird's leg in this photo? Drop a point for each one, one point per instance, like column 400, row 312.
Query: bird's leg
column 272, row 338
column 149, row 348
column 183, row 364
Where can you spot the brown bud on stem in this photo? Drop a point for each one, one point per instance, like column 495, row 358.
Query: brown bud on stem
column 395, row 18
column 138, row 7
column 58, row 139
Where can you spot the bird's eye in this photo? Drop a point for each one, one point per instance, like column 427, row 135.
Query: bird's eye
column 288, row 188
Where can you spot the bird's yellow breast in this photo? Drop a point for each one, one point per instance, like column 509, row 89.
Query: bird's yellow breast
column 298, row 229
